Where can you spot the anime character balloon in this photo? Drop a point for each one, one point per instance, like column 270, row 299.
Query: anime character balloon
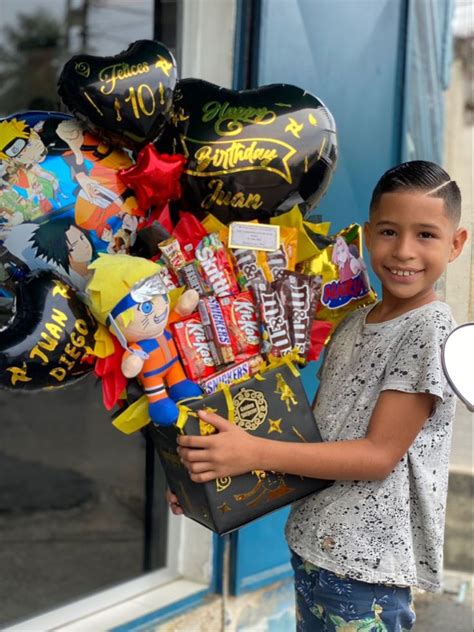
column 61, row 199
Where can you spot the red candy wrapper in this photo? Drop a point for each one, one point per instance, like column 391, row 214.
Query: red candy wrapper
column 244, row 369
column 240, row 315
column 215, row 266
column 191, row 341
column 189, row 232
column 216, row 329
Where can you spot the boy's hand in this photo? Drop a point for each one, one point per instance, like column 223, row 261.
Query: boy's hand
column 230, row 452
column 173, row 503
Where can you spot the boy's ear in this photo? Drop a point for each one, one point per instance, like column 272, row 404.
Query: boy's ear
column 459, row 239
column 367, row 235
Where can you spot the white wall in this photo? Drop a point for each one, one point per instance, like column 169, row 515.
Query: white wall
column 208, row 40
column 459, row 281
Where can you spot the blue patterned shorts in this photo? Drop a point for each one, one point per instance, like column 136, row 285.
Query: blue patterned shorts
column 326, row 602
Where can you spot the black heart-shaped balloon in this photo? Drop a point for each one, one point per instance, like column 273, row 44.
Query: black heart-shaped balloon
column 254, row 153
column 45, row 341
column 126, row 97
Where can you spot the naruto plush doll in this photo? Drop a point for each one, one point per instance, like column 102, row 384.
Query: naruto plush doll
column 127, row 295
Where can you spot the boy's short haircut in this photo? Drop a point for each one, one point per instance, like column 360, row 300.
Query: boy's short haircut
column 420, row 175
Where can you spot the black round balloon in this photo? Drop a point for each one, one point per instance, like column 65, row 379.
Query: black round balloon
column 126, row 98
column 46, row 339
column 251, row 154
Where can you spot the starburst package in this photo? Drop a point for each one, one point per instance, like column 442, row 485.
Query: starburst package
column 265, row 406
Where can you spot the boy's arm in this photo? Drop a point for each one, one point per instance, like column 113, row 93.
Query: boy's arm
column 396, row 420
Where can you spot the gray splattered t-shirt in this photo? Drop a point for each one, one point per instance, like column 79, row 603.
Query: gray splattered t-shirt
column 388, row 531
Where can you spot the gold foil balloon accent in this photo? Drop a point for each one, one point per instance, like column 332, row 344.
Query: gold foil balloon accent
column 345, row 281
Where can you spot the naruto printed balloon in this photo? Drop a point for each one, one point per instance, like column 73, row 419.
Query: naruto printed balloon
column 61, row 198
column 251, row 154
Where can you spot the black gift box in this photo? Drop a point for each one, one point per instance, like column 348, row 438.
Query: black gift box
column 271, row 405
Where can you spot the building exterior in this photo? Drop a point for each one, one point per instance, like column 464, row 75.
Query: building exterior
column 115, row 560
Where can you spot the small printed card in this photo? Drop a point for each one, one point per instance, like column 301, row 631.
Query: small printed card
column 252, row 236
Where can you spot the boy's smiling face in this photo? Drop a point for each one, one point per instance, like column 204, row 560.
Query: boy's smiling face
column 411, row 239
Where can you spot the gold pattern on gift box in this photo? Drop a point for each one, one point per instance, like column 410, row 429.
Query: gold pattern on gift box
column 224, row 508
column 269, row 486
column 250, row 408
column 298, row 434
column 286, row 394
column 206, row 429
column 223, row 483
column 294, row 127
column 274, row 426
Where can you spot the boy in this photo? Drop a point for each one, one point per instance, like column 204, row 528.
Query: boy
column 385, row 414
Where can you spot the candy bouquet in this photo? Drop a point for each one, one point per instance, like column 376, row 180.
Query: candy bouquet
column 173, row 224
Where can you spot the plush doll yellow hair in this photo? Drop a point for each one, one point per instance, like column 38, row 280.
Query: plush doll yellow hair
column 113, row 277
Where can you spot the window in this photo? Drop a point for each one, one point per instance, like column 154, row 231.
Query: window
column 82, row 514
